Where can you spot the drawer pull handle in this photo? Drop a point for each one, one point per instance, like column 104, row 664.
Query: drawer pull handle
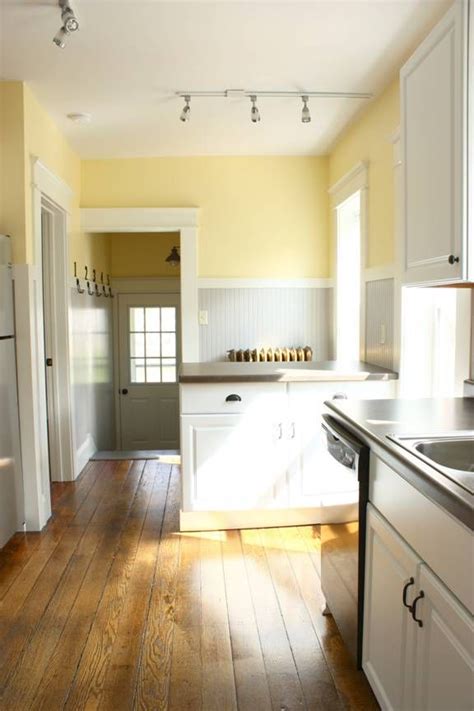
column 233, row 398
column 413, row 608
column 405, row 590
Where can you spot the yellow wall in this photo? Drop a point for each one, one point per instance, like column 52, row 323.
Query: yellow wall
column 12, row 171
column 260, row 216
column 369, row 139
column 142, row 254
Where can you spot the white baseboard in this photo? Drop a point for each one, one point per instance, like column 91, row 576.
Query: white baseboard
column 265, row 518
column 84, row 453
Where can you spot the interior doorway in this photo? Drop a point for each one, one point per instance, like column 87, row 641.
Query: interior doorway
column 149, row 343
column 348, row 280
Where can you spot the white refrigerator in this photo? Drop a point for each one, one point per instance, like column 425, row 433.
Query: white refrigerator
column 11, row 479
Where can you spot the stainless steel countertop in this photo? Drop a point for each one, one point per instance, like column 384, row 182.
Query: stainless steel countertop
column 372, row 420
column 318, row 371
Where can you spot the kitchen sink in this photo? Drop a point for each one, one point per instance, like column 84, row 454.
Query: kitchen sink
column 452, row 455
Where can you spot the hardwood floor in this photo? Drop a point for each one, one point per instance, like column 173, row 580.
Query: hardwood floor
column 112, row 608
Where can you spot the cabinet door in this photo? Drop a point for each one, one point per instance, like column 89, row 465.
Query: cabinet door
column 389, row 630
column 233, row 462
column 433, row 86
column 445, row 649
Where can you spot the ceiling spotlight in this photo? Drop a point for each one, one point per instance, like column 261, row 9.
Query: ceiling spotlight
column 305, row 114
column 186, row 112
column 59, row 38
column 70, row 24
column 70, row 21
column 254, row 112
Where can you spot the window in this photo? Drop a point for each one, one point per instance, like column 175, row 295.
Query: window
column 348, row 278
column 152, row 344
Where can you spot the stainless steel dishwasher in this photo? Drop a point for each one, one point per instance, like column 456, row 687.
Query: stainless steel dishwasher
column 343, row 544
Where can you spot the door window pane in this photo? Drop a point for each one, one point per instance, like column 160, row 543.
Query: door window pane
column 168, row 345
column 153, row 349
column 137, row 345
column 137, row 370
column 153, row 318
column 137, row 318
column 168, row 319
column 153, row 345
column 153, row 370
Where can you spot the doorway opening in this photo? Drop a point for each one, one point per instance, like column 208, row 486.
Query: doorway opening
column 348, row 278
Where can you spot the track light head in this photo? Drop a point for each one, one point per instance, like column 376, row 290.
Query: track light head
column 254, row 112
column 186, row 112
column 305, row 113
column 70, row 21
column 59, row 38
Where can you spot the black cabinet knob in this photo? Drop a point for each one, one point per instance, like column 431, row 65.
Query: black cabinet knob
column 124, row 391
column 452, row 259
column 233, row 398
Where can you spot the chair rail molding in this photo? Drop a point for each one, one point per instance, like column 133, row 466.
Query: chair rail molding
column 238, row 283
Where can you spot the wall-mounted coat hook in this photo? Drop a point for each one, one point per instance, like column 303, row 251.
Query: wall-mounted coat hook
column 102, row 277
column 78, row 286
column 89, row 290
column 104, row 291
column 93, row 276
column 75, row 269
column 97, row 292
column 86, row 270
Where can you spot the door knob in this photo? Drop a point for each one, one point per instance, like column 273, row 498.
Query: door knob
column 452, row 259
column 124, row 391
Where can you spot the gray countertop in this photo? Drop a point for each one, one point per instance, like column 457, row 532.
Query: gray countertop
column 372, row 420
column 329, row 370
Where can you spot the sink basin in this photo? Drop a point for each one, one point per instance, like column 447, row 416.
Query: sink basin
column 452, row 455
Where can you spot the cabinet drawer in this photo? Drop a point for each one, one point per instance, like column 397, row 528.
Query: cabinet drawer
column 212, row 398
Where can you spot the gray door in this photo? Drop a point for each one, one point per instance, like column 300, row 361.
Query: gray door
column 149, row 342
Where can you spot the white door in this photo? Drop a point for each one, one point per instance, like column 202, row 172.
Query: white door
column 433, row 91
column 389, row 630
column 445, row 649
column 149, row 342
column 233, row 462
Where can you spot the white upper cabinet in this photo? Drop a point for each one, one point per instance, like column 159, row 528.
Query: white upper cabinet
column 434, row 127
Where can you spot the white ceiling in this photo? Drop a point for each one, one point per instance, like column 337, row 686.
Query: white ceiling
column 129, row 58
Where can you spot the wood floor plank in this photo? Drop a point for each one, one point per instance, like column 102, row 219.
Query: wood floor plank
column 30, row 670
column 152, row 689
column 351, row 684
column 56, row 683
column 120, row 678
column 218, row 681
column 249, row 667
column 285, row 687
column 88, row 682
column 316, row 680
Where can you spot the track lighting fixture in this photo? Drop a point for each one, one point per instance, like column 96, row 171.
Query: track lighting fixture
column 305, row 114
column 186, row 112
column 254, row 95
column 70, row 24
column 254, row 112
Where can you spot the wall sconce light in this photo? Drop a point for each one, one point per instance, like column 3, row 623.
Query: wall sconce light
column 174, row 258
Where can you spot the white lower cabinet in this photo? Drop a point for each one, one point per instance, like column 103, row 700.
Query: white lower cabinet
column 233, row 462
column 413, row 664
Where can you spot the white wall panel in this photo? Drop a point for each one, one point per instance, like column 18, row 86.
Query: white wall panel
column 265, row 317
column 380, row 322
column 92, row 372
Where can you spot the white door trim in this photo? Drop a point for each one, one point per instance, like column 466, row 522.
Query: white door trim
column 30, row 351
column 357, row 179
column 157, row 219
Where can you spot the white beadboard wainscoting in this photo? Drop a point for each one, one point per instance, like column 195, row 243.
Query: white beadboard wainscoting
column 92, row 375
column 379, row 322
column 266, row 317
